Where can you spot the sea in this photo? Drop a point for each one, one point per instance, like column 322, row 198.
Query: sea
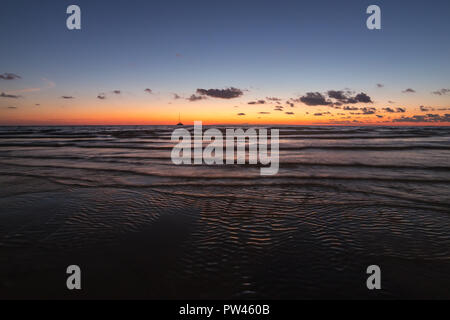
column 110, row 200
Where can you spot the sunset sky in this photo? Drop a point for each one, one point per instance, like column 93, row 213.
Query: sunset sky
column 255, row 62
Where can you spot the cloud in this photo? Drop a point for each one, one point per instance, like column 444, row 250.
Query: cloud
column 101, row 96
column 241, row 114
column 49, row 85
column 362, row 97
column 409, row 90
column 117, row 92
column 275, row 99
column 346, row 97
column 380, row 85
column 338, row 95
column 314, row 99
column 257, row 102
column 379, row 116
column 397, row 110
column 425, row 109
column 278, row 108
column 366, row 110
column 263, row 112
column 12, row 96
column 318, row 114
column 37, row 104
column 228, row 93
column 26, row 90
column 289, row 112
column 12, row 108
column 425, row 118
column 148, row 90
column 176, row 96
column 67, row 97
column 441, row 92
column 9, row 76
column 195, row 98
column 290, row 104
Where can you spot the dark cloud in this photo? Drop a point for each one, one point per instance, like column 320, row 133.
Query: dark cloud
column 241, row 114
column 409, row 90
column 362, row 111
column 380, row 85
column 263, row 112
column 228, row 93
column 12, row 96
column 318, row 114
column 425, row 109
column 314, row 99
column 289, row 112
column 148, row 90
column 351, row 100
column 101, row 96
column 257, row 102
column 425, row 118
column 441, row 92
column 338, row 95
column 37, row 104
column 366, row 110
column 379, row 116
column 67, row 97
column 117, row 92
column 273, row 99
column 9, row 76
column 345, row 97
column 195, row 98
column 397, row 110
column 12, row 107
column 290, row 104
column 362, row 97
column 176, row 96
column 278, row 108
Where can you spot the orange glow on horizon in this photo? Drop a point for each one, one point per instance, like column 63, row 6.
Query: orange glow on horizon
column 165, row 112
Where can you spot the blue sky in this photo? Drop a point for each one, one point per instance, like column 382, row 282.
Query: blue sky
column 283, row 48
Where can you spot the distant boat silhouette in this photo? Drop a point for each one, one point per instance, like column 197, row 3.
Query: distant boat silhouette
column 179, row 121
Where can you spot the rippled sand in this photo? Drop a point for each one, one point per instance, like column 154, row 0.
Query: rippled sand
column 110, row 200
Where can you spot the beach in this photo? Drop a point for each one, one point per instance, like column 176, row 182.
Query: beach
column 109, row 199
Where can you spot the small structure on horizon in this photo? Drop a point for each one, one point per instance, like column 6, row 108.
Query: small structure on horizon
column 179, row 121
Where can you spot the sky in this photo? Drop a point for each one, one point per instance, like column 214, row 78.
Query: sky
column 253, row 62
